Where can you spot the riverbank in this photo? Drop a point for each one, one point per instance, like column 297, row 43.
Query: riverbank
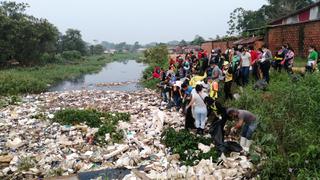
column 289, row 125
column 40, row 78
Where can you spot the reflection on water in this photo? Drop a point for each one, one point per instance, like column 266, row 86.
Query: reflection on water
column 123, row 71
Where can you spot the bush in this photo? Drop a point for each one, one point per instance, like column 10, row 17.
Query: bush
column 47, row 58
column 71, row 55
column 289, row 126
column 106, row 121
column 156, row 56
column 186, row 145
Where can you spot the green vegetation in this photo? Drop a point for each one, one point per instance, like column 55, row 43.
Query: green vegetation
column 10, row 100
column 55, row 172
column 156, row 56
column 27, row 40
column 289, row 126
column 105, row 121
column 26, row 163
column 185, row 144
column 242, row 20
column 300, row 62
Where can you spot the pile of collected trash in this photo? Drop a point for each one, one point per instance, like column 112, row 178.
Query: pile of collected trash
column 32, row 146
column 111, row 84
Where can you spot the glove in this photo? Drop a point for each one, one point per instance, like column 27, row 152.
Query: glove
column 234, row 130
column 185, row 110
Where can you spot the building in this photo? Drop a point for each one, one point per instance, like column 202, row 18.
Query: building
column 300, row 29
column 222, row 44
column 256, row 42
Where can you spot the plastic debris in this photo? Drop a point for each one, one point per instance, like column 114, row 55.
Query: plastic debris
column 72, row 149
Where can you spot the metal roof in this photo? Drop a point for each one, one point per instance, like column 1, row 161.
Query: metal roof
column 296, row 12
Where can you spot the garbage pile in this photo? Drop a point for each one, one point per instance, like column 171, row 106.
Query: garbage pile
column 111, row 84
column 31, row 146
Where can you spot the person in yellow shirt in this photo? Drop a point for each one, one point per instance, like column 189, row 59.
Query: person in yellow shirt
column 196, row 79
column 214, row 88
column 228, row 74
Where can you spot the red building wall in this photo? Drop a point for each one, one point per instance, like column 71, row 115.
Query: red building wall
column 299, row 36
column 223, row 45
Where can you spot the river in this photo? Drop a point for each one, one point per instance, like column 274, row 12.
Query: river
column 118, row 76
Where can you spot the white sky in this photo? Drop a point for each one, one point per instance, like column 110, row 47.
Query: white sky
column 140, row 20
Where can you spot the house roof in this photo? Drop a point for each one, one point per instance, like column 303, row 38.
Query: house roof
column 296, row 12
column 248, row 40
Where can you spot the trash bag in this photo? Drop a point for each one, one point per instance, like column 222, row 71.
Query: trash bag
column 260, row 85
column 295, row 78
column 217, row 134
column 233, row 146
column 189, row 120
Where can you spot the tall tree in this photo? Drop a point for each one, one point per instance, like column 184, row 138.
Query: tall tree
column 183, row 43
column 242, row 20
column 24, row 37
column 198, row 40
column 72, row 41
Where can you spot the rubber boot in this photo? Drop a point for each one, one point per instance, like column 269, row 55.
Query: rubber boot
column 248, row 144
column 243, row 142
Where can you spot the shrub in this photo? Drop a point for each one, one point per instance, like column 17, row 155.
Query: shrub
column 186, row 145
column 26, row 163
column 71, row 55
column 106, row 121
column 157, row 55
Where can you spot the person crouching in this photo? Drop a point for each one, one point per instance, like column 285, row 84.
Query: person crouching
column 248, row 122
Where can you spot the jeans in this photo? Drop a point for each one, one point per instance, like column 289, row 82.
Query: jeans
column 164, row 93
column 227, row 90
column 278, row 66
column 255, row 71
column 248, row 129
column 245, row 75
column 200, row 116
column 177, row 101
column 265, row 68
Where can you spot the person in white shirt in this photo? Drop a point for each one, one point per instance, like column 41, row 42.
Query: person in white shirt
column 245, row 66
column 199, row 109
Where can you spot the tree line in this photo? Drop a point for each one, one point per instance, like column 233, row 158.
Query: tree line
column 241, row 20
column 27, row 40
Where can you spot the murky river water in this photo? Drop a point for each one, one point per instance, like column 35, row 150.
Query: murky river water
column 126, row 73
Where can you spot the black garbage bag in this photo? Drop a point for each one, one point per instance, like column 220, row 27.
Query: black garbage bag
column 189, row 120
column 260, row 85
column 217, row 134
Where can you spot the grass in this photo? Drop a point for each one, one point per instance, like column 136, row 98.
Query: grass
column 26, row 163
column 40, row 78
column 289, row 125
column 300, row 62
column 105, row 121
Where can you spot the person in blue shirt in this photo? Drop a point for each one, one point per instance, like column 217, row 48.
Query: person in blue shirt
column 187, row 90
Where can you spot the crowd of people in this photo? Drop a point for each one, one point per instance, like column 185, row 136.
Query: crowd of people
column 194, row 81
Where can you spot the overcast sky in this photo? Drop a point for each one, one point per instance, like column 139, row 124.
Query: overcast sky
column 140, row 20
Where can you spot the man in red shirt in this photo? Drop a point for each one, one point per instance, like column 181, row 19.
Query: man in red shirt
column 254, row 62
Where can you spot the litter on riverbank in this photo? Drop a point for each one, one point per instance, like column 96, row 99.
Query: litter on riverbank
column 35, row 147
